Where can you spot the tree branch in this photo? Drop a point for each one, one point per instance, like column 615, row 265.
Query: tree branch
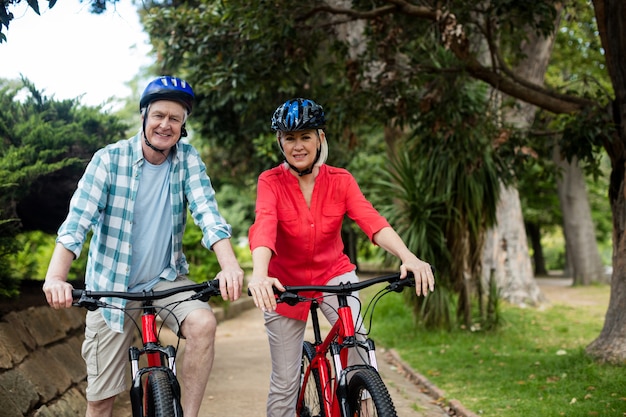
column 453, row 37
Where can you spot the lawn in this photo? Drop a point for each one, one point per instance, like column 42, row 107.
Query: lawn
column 534, row 365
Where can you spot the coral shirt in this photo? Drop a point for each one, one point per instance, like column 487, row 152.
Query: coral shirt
column 306, row 241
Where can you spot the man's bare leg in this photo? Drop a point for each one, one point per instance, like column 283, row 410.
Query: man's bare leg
column 102, row 408
column 199, row 330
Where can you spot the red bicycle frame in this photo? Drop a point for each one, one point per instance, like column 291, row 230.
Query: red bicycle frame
column 155, row 355
column 164, row 387
column 340, row 337
column 340, row 393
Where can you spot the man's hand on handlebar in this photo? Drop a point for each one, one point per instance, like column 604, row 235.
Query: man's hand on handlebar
column 262, row 290
column 58, row 293
column 231, row 283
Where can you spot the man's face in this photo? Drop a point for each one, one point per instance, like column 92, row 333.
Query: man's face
column 164, row 123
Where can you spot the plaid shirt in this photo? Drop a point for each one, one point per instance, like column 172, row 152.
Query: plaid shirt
column 104, row 202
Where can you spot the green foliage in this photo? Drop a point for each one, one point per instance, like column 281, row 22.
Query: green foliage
column 39, row 137
column 244, row 58
column 237, row 207
column 203, row 264
column 8, row 245
column 584, row 137
column 443, row 189
column 578, row 62
column 224, row 49
column 578, row 66
column 416, row 209
column 419, row 212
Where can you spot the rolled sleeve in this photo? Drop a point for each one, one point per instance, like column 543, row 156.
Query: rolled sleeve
column 202, row 203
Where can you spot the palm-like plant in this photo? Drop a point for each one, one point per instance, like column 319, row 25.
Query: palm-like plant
column 444, row 191
column 419, row 214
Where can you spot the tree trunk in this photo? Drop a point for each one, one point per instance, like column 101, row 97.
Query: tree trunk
column 534, row 234
column 506, row 249
column 610, row 346
column 580, row 237
column 506, row 254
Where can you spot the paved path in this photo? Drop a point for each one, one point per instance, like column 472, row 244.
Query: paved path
column 239, row 381
column 240, row 378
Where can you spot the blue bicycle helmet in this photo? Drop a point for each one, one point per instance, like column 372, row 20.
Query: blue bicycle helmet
column 168, row 88
column 298, row 114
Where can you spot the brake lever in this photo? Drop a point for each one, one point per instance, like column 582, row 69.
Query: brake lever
column 398, row 286
column 289, row 298
column 90, row 303
column 211, row 290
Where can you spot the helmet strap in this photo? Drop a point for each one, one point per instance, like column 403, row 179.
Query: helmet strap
column 145, row 138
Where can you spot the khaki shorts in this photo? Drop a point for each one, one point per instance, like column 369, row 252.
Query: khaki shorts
column 106, row 352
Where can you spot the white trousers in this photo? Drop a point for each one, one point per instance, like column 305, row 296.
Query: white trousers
column 286, row 337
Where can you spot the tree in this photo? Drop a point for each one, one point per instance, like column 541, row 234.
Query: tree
column 287, row 55
column 44, row 147
column 611, row 15
column 507, row 266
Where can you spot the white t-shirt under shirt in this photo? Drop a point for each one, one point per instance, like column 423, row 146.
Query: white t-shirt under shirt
column 152, row 226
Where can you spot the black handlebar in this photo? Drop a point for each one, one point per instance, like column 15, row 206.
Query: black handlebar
column 91, row 299
column 291, row 297
column 349, row 287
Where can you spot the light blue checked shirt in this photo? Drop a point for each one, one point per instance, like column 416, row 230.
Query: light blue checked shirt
column 104, row 201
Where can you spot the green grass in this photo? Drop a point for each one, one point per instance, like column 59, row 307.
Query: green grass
column 534, row 365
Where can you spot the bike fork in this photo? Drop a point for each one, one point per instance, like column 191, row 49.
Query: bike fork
column 371, row 352
column 342, row 382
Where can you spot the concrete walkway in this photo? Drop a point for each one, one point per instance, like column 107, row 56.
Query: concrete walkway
column 239, row 381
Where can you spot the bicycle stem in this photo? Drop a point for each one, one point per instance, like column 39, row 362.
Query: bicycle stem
column 149, row 332
column 316, row 322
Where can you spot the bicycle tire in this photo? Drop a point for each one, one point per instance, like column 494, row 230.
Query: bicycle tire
column 160, row 400
column 311, row 404
column 379, row 402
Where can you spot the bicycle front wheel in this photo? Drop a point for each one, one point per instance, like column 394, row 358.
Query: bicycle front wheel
column 368, row 395
column 160, row 400
column 310, row 397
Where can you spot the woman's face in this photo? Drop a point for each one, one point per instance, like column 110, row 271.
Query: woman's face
column 300, row 147
column 164, row 123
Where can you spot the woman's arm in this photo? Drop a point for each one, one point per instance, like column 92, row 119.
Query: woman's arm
column 388, row 239
column 260, row 284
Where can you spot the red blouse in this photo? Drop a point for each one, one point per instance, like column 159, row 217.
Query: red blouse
column 306, row 242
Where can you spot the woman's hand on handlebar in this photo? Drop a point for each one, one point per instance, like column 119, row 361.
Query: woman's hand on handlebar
column 261, row 288
column 423, row 273
column 58, row 293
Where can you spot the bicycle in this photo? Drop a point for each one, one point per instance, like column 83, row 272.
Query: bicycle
column 342, row 391
column 155, row 391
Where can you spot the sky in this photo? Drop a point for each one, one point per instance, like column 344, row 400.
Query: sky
column 68, row 52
